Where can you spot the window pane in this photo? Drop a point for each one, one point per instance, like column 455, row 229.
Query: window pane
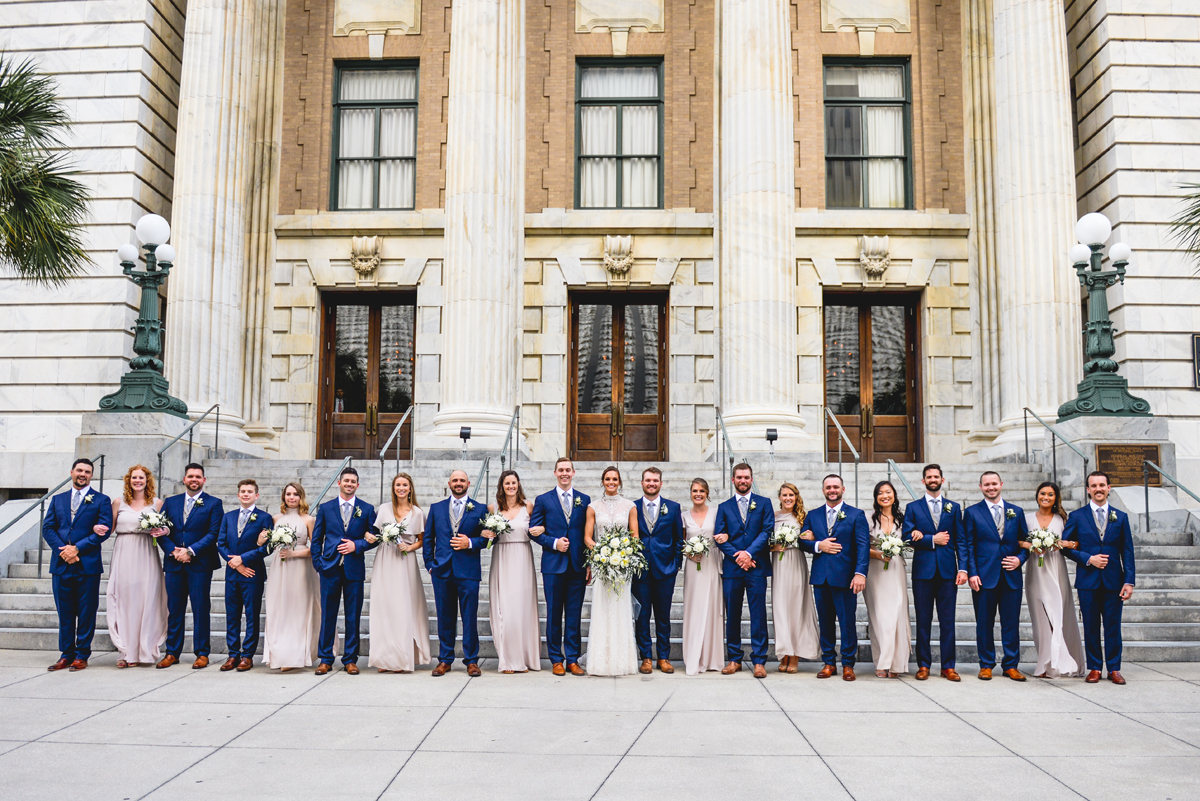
column 361, row 85
column 885, row 183
column 354, row 185
column 351, row 327
column 397, row 184
column 598, row 134
column 885, row 131
column 843, row 131
column 597, row 183
column 640, row 183
column 641, row 360
column 639, row 131
column 396, row 358
column 873, row 82
column 398, row 132
column 888, row 381
column 619, row 82
column 842, row 359
column 595, row 360
column 843, row 184
column 356, row 138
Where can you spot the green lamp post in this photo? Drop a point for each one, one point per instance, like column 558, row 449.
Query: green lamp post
column 144, row 388
column 1102, row 392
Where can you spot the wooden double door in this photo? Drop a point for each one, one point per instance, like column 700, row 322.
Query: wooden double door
column 870, row 375
column 618, row 378
column 367, row 362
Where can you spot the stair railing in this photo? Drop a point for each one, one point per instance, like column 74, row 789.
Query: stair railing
column 724, row 447
column 842, row 438
column 190, row 435
column 388, row 444
column 485, row 475
column 510, row 440
column 1146, row 465
column 891, row 465
column 336, row 475
column 41, row 507
column 1054, row 447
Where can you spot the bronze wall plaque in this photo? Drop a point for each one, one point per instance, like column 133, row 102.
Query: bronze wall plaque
column 1123, row 463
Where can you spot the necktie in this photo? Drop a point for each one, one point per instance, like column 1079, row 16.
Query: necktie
column 242, row 518
column 346, row 508
column 651, row 508
column 76, row 499
column 187, row 508
column 564, row 498
column 1101, row 521
column 999, row 518
column 743, row 507
column 829, row 518
column 935, row 510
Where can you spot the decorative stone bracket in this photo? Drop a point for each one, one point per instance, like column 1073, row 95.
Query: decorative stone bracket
column 866, row 17
column 364, row 257
column 874, row 258
column 618, row 17
column 618, row 255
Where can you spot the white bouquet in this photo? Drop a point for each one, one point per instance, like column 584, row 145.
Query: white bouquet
column 785, row 534
column 696, row 546
column 150, row 520
column 891, row 546
column 617, row 557
column 1042, row 541
column 497, row 524
column 391, row 533
column 282, row 536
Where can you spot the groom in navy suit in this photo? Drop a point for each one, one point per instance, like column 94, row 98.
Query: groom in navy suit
column 661, row 526
column 842, row 547
column 453, row 542
column 76, row 523
column 994, row 530
column 245, row 574
column 744, row 523
column 1105, row 576
column 563, row 512
column 189, row 559
column 338, row 544
column 939, row 567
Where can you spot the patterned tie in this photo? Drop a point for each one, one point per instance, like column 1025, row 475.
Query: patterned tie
column 346, row 508
column 242, row 518
column 830, row 516
column 935, row 510
column 456, row 509
column 743, row 507
column 564, row 498
column 1101, row 522
column 187, row 508
column 999, row 518
column 651, row 518
column 76, row 499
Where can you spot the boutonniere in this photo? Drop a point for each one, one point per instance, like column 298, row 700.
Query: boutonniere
column 88, row 498
column 253, row 516
column 662, row 510
column 470, row 506
column 578, row 501
column 1112, row 517
column 1010, row 514
column 949, row 507
column 753, row 505
column 198, row 502
column 357, row 511
column 841, row 516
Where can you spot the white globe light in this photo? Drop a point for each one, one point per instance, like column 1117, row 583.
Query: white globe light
column 1093, row 229
column 1080, row 254
column 165, row 253
column 153, row 230
column 1120, row 252
column 127, row 252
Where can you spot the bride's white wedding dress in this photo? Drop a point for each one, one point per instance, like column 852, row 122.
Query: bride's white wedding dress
column 611, row 649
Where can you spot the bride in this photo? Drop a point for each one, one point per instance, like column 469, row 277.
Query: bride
column 611, row 647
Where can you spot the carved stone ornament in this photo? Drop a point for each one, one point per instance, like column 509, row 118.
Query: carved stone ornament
column 365, row 254
column 873, row 256
column 618, row 254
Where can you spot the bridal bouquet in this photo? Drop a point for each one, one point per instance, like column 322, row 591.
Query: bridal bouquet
column 390, row 534
column 617, row 557
column 282, row 536
column 1042, row 541
column 696, row 546
column 786, row 535
column 892, row 546
column 497, row 524
column 150, row 520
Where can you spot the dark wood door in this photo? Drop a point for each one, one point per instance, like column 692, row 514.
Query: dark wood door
column 368, row 360
column 618, row 378
column 870, row 375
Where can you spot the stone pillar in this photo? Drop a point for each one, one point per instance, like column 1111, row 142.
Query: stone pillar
column 1035, row 215
column 759, row 388
column 485, row 154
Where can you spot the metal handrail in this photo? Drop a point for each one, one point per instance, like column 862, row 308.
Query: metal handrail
column 509, row 439
column 853, row 451
column 728, row 449
column 41, row 505
column 388, row 444
column 1053, row 446
column 485, row 471
column 1146, row 465
column 345, row 463
column 188, row 431
column 893, row 466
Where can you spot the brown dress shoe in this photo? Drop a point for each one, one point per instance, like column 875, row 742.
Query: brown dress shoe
column 646, row 667
column 825, row 672
column 473, row 671
column 61, row 664
column 923, row 673
column 575, row 670
column 557, row 669
column 352, row 669
column 1115, row 677
column 244, row 664
column 200, row 663
column 985, row 674
column 731, row 668
column 79, row 664
column 665, row 666
column 230, row 663
column 1014, row 674
column 167, row 661
column 322, row 669
column 442, row 669
column 951, row 674
column 760, row 671
column 847, row 673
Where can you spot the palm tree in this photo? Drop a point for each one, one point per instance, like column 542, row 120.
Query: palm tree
column 42, row 207
column 1185, row 228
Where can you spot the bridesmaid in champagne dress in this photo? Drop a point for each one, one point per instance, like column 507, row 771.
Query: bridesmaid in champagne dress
column 293, row 593
column 1048, row 594
column 399, row 613
column 512, row 582
column 703, row 599
column 136, row 603
column 792, row 607
column 886, row 592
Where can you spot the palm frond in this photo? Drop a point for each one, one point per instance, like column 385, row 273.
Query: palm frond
column 1185, row 228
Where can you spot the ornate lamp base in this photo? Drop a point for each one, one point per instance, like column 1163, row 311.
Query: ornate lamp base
column 1104, row 395
column 143, row 391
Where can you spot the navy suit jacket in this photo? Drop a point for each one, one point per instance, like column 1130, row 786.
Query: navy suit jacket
column 59, row 531
column 930, row 561
column 441, row 559
column 229, row 544
column 199, row 533
column 328, row 533
column 547, row 511
column 750, row 536
column 851, row 532
column 664, row 546
column 1117, row 545
column 985, row 549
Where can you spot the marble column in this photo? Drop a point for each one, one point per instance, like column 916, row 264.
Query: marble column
column 485, row 189
column 759, row 388
column 1034, row 178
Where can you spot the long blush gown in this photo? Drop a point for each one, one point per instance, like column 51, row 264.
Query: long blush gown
column 513, row 599
column 136, row 602
column 887, row 611
column 703, row 602
column 1052, row 610
column 399, row 613
column 293, row 605
column 793, row 609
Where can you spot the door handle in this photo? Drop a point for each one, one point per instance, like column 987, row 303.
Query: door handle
column 619, row 415
column 870, row 421
column 372, row 420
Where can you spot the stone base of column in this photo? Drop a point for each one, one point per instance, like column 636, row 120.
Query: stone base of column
column 747, row 430
column 1085, row 433
column 129, row 439
column 488, row 430
column 1009, row 444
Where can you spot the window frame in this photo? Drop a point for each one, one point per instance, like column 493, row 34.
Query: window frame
column 620, row 103
column 339, row 69
column 863, row 103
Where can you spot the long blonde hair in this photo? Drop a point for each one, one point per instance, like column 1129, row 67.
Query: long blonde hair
column 150, row 486
column 412, row 493
column 301, row 507
column 798, row 509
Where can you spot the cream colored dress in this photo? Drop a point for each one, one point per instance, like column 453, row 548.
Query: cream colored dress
column 888, row 626
column 399, row 612
column 513, row 599
column 611, row 649
column 793, row 609
column 292, row 600
column 136, row 601
column 1052, row 610
column 703, row 601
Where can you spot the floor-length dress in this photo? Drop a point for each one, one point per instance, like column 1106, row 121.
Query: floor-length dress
column 293, row 604
column 513, row 599
column 399, row 613
column 136, row 603
column 611, row 649
column 1052, row 610
column 887, row 611
column 703, row 602
column 793, row 609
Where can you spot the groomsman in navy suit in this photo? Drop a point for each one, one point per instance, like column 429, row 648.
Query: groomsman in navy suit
column 744, row 523
column 245, row 574
column 453, row 542
column 939, row 567
column 842, row 547
column 338, row 544
column 76, row 523
column 994, row 530
column 189, row 559
column 562, row 512
column 661, row 529
column 1105, row 576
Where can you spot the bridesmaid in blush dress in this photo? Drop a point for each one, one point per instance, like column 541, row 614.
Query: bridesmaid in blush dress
column 293, row 591
column 1048, row 594
column 793, row 609
column 886, row 592
column 136, row 602
column 399, row 613
column 703, row 599
column 512, row 582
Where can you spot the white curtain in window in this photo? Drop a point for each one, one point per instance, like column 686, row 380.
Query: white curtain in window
column 397, row 137
column 356, row 139
column 639, row 137
column 379, row 85
column 617, row 82
column 885, row 137
column 880, row 82
column 598, row 137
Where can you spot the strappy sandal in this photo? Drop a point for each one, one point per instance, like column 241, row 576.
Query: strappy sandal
column 121, row 663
